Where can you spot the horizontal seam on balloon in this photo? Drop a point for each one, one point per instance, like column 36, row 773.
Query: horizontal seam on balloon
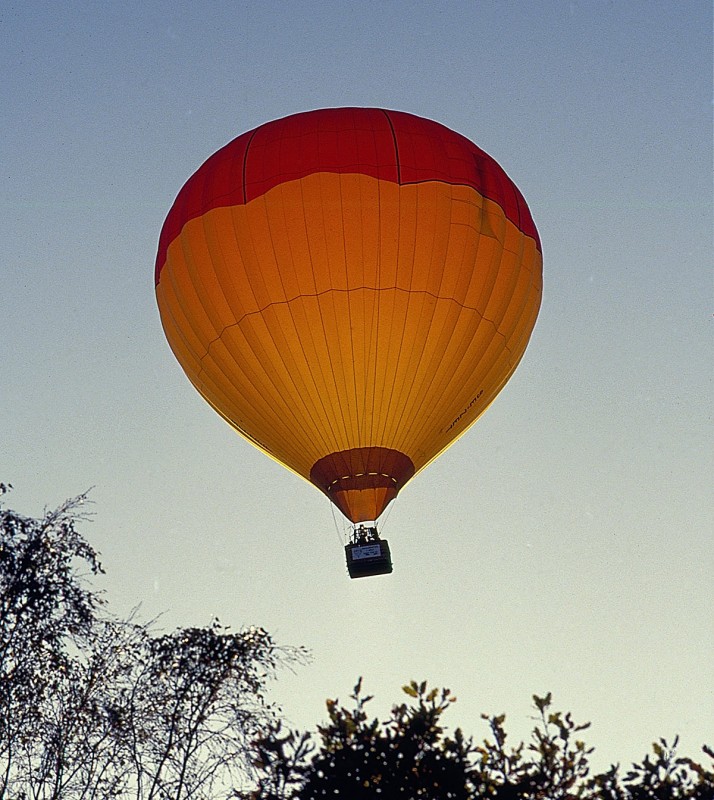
column 361, row 475
column 355, row 289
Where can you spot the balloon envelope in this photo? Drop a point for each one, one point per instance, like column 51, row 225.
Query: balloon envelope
column 350, row 289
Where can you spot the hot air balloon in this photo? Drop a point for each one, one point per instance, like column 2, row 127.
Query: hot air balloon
column 350, row 288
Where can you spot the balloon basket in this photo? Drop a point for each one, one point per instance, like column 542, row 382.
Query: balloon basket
column 367, row 554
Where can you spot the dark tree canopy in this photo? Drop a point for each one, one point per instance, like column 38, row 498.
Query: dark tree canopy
column 411, row 755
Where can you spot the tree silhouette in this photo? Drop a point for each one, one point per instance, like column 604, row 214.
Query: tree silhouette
column 411, row 755
column 94, row 706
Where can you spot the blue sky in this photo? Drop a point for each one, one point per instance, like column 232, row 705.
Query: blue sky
column 565, row 543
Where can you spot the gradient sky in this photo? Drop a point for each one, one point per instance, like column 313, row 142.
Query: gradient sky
column 565, row 543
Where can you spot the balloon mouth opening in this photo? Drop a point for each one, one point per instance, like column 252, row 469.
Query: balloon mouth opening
column 362, row 481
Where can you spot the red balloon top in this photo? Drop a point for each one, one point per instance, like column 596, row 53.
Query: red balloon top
column 390, row 145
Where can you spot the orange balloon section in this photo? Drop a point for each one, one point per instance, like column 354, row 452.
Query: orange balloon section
column 350, row 288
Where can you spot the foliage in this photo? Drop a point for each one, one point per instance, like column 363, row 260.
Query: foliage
column 665, row 776
column 43, row 609
column 411, row 755
column 406, row 757
column 96, row 707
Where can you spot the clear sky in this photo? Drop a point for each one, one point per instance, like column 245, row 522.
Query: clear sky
column 565, row 543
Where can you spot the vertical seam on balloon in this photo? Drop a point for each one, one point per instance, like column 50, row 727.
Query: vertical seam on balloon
column 510, row 282
column 341, row 394
column 528, row 324
column 409, row 293
column 257, row 386
column 370, row 310
column 374, row 322
column 396, row 146
column 366, row 343
column 181, row 299
column 324, row 425
column 424, row 387
column 399, row 203
column 321, row 423
column 381, row 431
column 210, row 249
column 459, row 352
column 508, row 334
column 203, row 377
column 350, row 423
column 484, row 318
column 343, row 397
column 407, row 394
column 456, row 352
column 366, row 340
column 170, row 288
column 267, row 379
column 337, row 409
column 495, row 365
column 239, row 387
column 372, row 352
column 514, row 344
column 439, row 439
column 294, row 375
column 245, row 164
column 332, row 425
column 203, row 374
column 357, row 419
column 449, row 373
column 328, row 416
column 374, row 345
column 451, row 360
column 497, row 359
column 271, row 377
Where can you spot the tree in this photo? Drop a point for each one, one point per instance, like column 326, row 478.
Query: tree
column 359, row 758
column 410, row 755
column 94, row 706
column 44, row 608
